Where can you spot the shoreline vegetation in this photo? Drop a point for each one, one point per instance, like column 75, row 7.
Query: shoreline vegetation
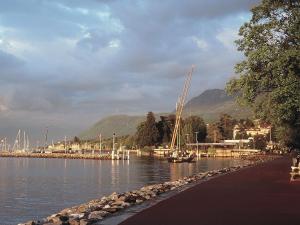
column 96, row 210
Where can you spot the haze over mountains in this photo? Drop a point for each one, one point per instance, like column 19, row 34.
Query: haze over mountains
column 209, row 105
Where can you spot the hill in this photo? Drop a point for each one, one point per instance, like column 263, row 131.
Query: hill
column 209, row 105
column 121, row 124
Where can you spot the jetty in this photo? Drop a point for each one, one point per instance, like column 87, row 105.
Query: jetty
column 60, row 155
column 263, row 194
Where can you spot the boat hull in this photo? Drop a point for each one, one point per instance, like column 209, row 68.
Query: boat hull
column 188, row 159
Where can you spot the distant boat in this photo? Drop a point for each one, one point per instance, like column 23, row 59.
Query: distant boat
column 181, row 157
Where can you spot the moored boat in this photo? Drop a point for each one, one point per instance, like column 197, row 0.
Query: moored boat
column 182, row 157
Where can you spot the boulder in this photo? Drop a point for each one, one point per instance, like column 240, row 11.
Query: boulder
column 118, row 202
column 130, row 198
column 110, row 209
column 76, row 215
column 97, row 215
column 82, row 209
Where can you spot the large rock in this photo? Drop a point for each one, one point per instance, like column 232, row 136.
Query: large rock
column 82, row 209
column 97, row 215
column 130, row 198
column 110, row 210
column 118, row 203
column 114, row 196
column 76, row 215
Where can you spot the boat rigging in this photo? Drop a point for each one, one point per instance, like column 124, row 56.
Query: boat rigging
column 177, row 155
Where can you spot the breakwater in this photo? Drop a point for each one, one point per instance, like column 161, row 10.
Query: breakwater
column 57, row 155
column 96, row 210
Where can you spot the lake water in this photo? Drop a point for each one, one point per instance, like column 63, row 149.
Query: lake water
column 35, row 188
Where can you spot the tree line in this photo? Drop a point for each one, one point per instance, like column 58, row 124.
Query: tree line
column 193, row 129
column 269, row 80
column 152, row 133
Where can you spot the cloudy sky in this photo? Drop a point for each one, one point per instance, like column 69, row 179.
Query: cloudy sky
column 65, row 64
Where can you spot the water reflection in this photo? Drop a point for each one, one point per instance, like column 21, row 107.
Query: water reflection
column 35, row 188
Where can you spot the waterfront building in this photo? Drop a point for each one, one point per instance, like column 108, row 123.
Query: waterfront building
column 258, row 129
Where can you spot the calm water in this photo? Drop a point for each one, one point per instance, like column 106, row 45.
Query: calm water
column 36, row 188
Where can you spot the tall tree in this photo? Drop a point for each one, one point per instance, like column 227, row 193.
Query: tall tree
column 226, row 125
column 165, row 126
column 147, row 132
column 76, row 139
column 213, row 133
column 192, row 126
column 270, row 75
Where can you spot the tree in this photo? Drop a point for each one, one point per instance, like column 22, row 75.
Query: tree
column 213, row 133
column 129, row 141
column 260, row 142
column 226, row 125
column 242, row 134
column 147, row 132
column 245, row 123
column 165, row 127
column 270, row 75
column 76, row 139
column 191, row 125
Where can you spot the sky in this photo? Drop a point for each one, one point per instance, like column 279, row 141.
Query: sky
column 65, row 64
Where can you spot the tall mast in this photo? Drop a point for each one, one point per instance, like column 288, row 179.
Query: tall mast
column 16, row 145
column 46, row 138
column 100, row 143
column 24, row 140
column 19, row 140
column 65, row 144
column 27, row 142
column 180, row 106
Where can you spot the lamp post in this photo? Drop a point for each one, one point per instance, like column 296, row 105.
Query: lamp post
column 65, row 144
column 100, row 144
column 113, row 150
column 197, row 142
column 187, row 139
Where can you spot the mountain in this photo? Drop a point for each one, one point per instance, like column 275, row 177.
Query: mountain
column 209, row 105
column 120, row 124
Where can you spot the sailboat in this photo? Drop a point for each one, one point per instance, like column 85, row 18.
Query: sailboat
column 177, row 155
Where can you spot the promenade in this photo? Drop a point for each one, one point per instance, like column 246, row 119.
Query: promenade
column 260, row 195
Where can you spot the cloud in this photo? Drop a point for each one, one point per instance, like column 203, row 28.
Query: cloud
column 3, row 106
column 69, row 63
column 8, row 61
column 227, row 37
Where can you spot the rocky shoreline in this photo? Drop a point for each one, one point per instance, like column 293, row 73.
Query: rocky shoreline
column 96, row 210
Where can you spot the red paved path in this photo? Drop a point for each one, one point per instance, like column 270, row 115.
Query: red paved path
column 261, row 195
